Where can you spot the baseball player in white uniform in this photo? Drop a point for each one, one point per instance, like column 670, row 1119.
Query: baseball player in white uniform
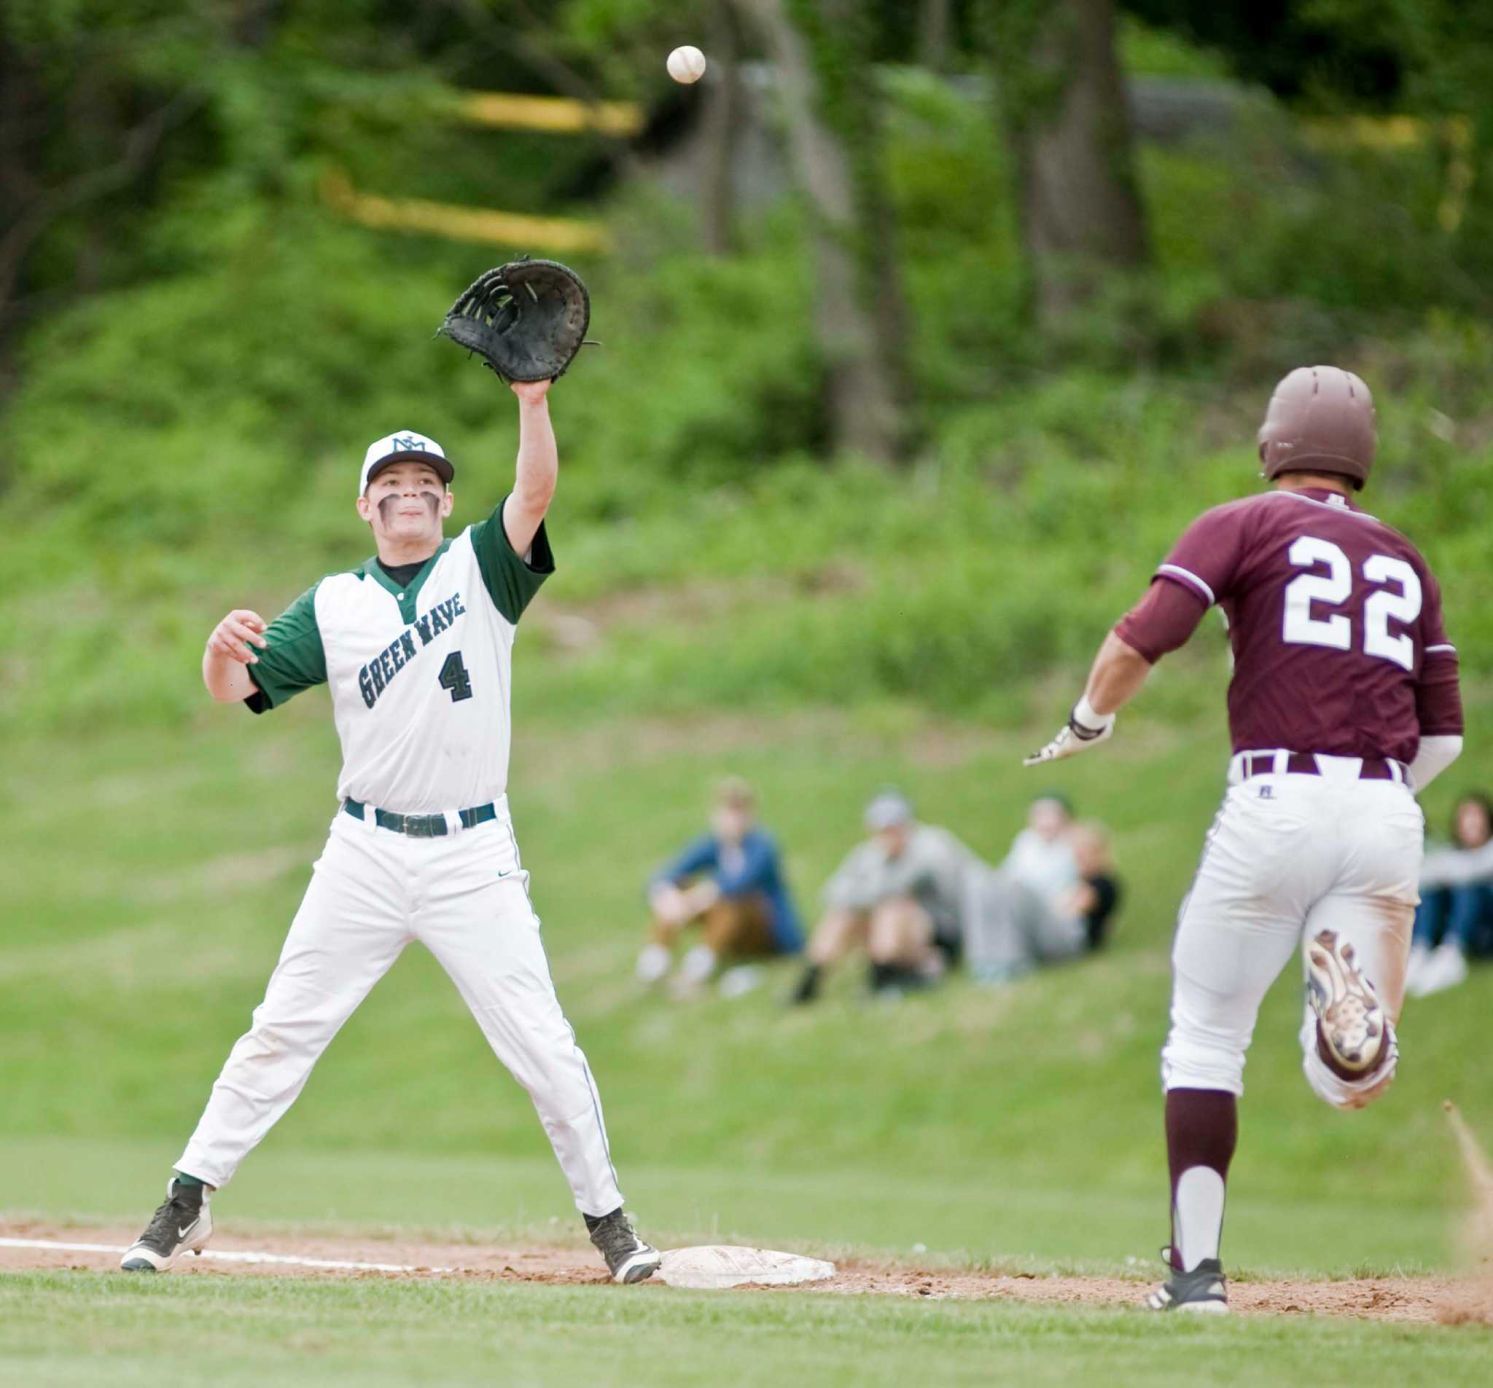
column 416, row 647
column 1344, row 702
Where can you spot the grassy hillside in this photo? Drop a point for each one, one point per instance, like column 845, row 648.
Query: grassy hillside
column 149, row 881
column 150, row 891
column 1003, row 558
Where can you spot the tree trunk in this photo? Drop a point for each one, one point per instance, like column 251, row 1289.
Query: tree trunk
column 935, row 21
column 830, row 100
column 1063, row 112
column 720, row 120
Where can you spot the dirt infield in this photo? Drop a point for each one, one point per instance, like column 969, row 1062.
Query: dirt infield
column 1424, row 1300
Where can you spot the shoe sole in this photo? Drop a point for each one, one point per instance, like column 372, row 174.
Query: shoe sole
column 638, row 1267
column 146, row 1261
column 1199, row 1306
column 1349, row 1018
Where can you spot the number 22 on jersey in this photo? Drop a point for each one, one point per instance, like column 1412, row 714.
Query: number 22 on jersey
column 1396, row 598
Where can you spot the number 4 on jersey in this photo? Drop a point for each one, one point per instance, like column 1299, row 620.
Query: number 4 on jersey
column 455, row 678
column 1335, row 587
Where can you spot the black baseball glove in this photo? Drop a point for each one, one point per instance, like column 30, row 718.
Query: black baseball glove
column 526, row 319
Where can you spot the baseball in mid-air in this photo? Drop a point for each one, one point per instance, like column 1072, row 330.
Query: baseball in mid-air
column 686, row 64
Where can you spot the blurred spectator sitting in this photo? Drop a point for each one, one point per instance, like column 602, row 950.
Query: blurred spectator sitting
column 1454, row 922
column 1041, row 855
column 1049, row 901
column 1096, row 894
column 902, row 896
column 730, row 883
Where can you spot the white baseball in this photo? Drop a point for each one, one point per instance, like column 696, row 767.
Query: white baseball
column 686, row 64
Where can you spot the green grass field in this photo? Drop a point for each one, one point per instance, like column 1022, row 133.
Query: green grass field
column 149, row 880
column 108, row 1329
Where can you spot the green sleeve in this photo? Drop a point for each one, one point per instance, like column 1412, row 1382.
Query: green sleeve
column 510, row 582
column 294, row 659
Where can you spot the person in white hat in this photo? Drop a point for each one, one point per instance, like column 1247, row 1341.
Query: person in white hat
column 415, row 645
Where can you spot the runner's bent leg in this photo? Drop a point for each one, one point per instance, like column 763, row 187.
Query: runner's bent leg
column 1372, row 908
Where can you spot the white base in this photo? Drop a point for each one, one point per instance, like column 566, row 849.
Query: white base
column 711, row 1267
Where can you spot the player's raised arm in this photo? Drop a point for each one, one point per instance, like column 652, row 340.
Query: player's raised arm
column 230, row 651
column 538, row 466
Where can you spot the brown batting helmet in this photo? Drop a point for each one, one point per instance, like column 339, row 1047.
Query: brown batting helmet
column 1321, row 419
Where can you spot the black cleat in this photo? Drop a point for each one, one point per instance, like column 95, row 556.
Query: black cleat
column 1205, row 1289
column 183, row 1222
column 807, row 988
column 629, row 1259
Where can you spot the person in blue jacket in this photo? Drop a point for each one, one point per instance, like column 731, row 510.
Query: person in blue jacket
column 729, row 883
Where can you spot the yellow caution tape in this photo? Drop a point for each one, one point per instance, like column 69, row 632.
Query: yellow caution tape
column 517, row 230
column 557, row 114
column 1386, row 133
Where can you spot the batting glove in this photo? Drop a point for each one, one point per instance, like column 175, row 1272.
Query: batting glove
column 1085, row 729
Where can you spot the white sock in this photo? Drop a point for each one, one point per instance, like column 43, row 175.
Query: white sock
column 1198, row 1215
column 653, row 963
column 698, row 964
column 742, row 979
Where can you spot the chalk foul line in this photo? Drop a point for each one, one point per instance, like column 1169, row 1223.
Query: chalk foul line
column 233, row 1256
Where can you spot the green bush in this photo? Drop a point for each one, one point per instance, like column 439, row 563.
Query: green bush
column 188, row 444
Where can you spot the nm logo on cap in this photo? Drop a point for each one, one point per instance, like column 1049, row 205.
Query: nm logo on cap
column 408, row 442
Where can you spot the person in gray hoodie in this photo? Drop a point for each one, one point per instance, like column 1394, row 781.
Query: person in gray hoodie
column 903, row 895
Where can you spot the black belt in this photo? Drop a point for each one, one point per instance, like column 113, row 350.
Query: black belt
column 421, row 826
column 1305, row 764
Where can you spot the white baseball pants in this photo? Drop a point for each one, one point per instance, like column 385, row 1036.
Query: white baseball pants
column 1289, row 856
column 465, row 897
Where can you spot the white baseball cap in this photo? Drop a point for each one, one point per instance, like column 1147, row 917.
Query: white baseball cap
column 397, row 448
column 888, row 810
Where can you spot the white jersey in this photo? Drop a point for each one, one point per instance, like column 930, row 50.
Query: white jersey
column 420, row 674
column 1047, row 866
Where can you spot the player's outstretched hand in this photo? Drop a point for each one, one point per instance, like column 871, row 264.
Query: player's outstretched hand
column 530, row 392
column 234, row 636
column 1072, row 739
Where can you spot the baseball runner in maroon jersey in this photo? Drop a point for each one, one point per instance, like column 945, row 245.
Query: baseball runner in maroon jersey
column 1344, row 702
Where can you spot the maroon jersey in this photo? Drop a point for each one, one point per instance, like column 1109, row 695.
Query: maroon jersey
column 1335, row 622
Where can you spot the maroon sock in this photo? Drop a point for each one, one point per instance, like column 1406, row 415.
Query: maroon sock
column 1202, row 1129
